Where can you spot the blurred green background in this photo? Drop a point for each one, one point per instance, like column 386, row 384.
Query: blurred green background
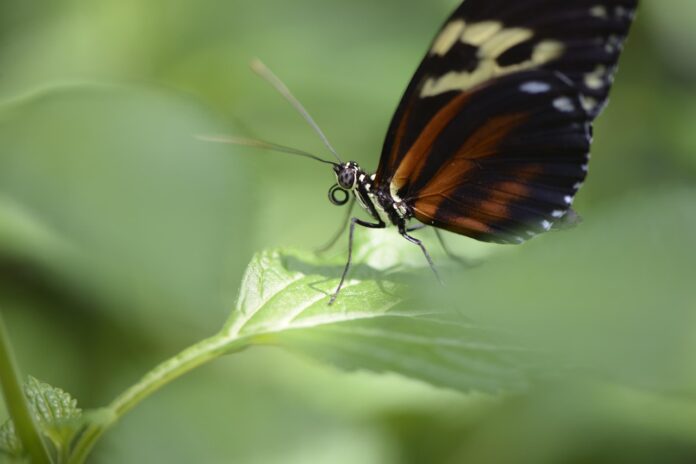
column 123, row 238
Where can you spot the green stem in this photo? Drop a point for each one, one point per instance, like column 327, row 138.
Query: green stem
column 171, row 369
column 25, row 425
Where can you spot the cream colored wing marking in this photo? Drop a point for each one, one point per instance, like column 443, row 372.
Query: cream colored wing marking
column 492, row 40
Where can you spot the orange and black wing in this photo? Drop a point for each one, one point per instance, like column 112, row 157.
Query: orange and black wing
column 492, row 135
column 509, row 172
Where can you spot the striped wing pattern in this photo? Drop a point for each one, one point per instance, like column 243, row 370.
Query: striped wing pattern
column 521, row 161
column 492, row 136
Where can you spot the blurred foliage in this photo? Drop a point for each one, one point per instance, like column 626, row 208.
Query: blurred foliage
column 123, row 238
column 57, row 413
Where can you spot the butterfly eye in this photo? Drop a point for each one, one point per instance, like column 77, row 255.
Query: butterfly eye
column 338, row 196
column 346, row 178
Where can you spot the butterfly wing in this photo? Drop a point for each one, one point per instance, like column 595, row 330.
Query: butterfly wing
column 506, row 94
column 509, row 172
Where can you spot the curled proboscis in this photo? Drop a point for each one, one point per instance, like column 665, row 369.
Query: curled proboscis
column 338, row 196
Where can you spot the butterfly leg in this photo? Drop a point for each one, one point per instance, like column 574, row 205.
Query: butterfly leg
column 404, row 233
column 337, row 235
column 353, row 222
column 416, row 227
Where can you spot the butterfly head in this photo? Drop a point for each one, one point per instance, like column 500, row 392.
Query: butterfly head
column 346, row 180
column 347, row 174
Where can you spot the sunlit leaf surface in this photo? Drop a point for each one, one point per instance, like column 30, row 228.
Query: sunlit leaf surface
column 284, row 301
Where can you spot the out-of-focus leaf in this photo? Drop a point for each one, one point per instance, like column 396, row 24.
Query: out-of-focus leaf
column 614, row 295
column 679, row 133
column 672, row 22
column 594, row 424
column 284, row 301
column 10, row 445
column 150, row 216
column 23, row 236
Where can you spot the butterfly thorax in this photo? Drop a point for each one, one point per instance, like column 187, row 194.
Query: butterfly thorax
column 392, row 209
column 377, row 202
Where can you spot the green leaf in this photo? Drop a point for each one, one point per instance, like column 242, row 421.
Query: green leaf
column 9, row 443
column 24, row 427
column 284, row 302
column 107, row 192
column 24, row 236
column 55, row 410
column 615, row 295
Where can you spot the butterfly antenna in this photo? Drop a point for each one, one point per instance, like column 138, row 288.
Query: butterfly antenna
column 262, row 70
column 260, row 144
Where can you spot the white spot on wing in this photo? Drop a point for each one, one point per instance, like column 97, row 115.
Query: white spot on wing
column 622, row 12
column 588, row 103
column 615, row 41
column 595, row 79
column 546, row 225
column 599, row 11
column 564, row 104
column 568, row 200
column 558, row 214
column 535, row 87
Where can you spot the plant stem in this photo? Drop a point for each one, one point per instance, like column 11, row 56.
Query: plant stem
column 171, row 369
column 25, row 425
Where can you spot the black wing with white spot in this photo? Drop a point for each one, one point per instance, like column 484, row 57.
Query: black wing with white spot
column 492, row 60
column 485, row 39
column 514, row 169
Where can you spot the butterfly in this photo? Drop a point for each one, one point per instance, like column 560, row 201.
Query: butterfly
column 492, row 136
